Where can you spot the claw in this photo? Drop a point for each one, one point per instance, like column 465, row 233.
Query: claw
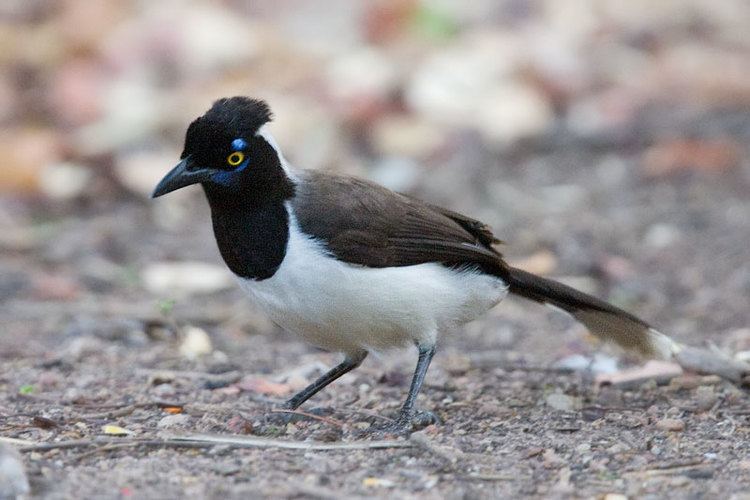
column 406, row 423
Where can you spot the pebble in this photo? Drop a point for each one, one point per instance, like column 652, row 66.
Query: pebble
column 13, row 481
column 670, row 424
column 563, row 402
column 598, row 364
column 140, row 171
column 615, row 496
column 661, row 235
column 396, row 172
column 705, row 397
column 185, row 278
column 512, row 112
column 173, row 421
column 362, row 75
column 24, row 154
column 407, row 136
column 195, row 343
column 64, row 181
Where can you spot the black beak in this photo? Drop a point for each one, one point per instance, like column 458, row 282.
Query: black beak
column 180, row 177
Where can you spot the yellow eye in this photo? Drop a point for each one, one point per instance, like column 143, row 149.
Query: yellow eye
column 235, row 158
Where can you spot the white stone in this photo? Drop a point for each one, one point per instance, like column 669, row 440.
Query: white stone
column 64, row 181
column 173, row 279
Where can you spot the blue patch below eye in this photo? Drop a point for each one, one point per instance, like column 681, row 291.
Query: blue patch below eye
column 226, row 177
column 239, row 144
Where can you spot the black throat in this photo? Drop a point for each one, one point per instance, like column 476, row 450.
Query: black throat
column 251, row 225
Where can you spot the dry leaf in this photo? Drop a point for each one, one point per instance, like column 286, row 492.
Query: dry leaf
column 115, row 430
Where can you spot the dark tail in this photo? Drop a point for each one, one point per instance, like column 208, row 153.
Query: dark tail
column 604, row 320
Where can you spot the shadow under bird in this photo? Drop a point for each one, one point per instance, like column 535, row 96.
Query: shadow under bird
column 353, row 267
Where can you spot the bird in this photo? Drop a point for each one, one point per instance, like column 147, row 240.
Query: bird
column 353, row 267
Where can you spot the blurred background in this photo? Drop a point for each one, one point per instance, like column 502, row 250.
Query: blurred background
column 606, row 142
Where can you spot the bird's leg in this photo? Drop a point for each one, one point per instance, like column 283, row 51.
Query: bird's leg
column 349, row 364
column 407, row 415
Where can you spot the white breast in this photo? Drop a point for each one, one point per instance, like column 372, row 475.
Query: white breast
column 344, row 307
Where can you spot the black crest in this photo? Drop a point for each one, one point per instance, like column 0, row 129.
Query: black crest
column 228, row 119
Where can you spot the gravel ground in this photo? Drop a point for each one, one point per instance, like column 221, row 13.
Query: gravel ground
column 86, row 346
column 608, row 143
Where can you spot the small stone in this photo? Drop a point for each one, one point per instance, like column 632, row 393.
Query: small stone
column 705, row 397
column 396, row 173
column 661, row 235
column 615, row 496
column 599, row 364
column 173, row 421
column 64, row 181
column 407, row 136
column 164, row 390
column 671, row 425
column 196, row 343
column 513, row 111
column 361, row 76
column 185, row 278
column 551, row 459
column 140, row 171
column 13, row 481
column 24, row 154
column 563, row 402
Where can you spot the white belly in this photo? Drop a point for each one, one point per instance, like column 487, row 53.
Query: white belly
column 343, row 307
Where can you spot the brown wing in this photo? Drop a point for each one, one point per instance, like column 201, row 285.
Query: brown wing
column 366, row 224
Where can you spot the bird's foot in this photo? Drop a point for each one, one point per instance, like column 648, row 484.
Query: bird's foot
column 406, row 423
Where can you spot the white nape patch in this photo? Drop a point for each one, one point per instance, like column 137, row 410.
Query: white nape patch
column 345, row 307
column 265, row 133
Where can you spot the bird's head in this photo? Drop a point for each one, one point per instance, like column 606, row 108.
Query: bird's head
column 227, row 150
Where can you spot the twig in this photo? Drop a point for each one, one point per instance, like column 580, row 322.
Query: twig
column 207, row 441
column 58, row 445
column 679, row 464
column 109, row 447
column 713, row 362
column 253, row 442
column 15, row 441
column 668, row 467
column 488, row 477
column 123, row 410
column 328, row 420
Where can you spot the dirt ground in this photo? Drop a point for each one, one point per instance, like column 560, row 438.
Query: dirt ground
column 608, row 143
column 84, row 345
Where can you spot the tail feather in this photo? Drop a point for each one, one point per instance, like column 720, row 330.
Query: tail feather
column 604, row 320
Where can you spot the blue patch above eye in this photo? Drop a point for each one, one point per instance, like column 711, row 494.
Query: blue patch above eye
column 239, row 144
